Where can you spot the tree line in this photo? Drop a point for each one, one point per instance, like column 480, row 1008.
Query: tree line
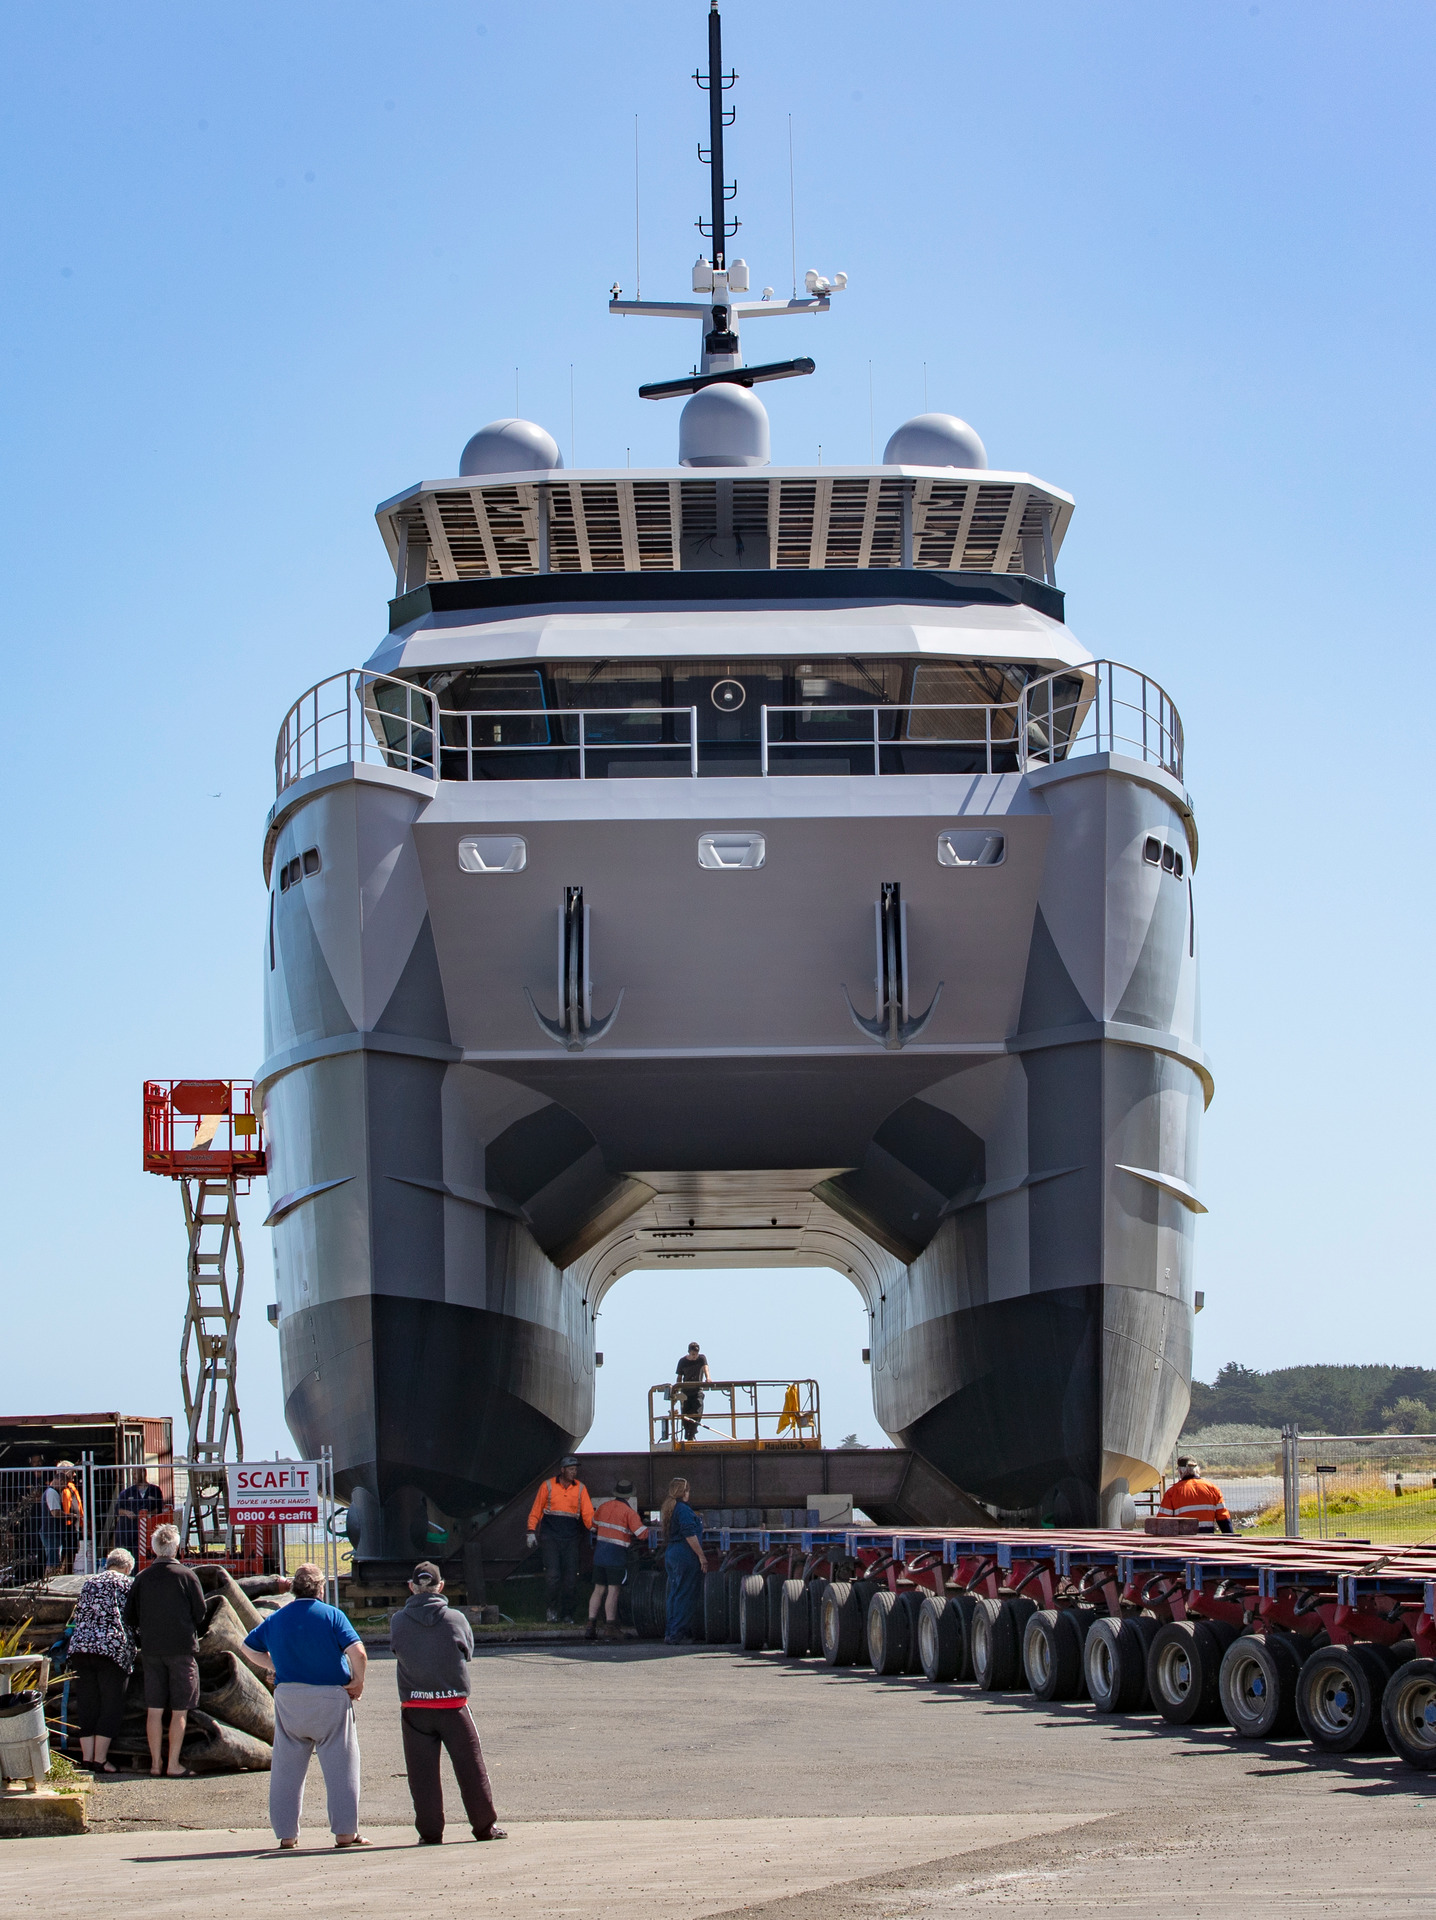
column 1318, row 1399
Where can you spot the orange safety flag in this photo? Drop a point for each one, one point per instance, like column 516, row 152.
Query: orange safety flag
column 1195, row 1499
column 615, row 1524
column 792, row 1415
column 565, row 1503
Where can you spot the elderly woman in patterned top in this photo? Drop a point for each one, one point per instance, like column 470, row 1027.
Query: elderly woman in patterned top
column 101, row 1656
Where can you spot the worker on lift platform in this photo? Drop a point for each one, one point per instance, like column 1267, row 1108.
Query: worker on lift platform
column 1191, row 1498
column 559, row 1520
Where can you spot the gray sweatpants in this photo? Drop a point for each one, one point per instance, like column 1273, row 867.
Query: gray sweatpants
column 310, row 1720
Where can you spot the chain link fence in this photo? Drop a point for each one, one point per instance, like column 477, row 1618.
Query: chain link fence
column 1379, row 1487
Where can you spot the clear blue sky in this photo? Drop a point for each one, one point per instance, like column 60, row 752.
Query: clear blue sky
column 264, row 266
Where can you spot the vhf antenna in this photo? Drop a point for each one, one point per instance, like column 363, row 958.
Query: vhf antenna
column 719, row 228
column 715, row 283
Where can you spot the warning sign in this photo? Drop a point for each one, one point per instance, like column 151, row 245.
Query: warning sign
column 268, row 1491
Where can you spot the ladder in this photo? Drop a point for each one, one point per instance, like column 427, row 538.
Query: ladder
column 208, row 1357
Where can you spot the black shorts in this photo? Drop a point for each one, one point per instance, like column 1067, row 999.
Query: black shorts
column 610, row 1576
column 172, row 1683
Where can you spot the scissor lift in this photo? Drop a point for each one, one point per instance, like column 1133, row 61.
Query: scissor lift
column 206, row 1135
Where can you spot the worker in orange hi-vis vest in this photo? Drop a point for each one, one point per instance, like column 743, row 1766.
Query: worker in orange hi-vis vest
column 1191, row 1498
column 559, row 1518
column 615, row 1526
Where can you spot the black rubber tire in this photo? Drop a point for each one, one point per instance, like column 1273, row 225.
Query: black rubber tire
column 1052, row 1654
column 816, row 1589
column 1408, row 1714
column 633, row 1600
column 997, row 1630
column 1184, row 1665
column 964, row 1606
column 864, row 1589
column 1339, row 1697
column 773, row 1631
column 1114, row 1665
column 1257, row 1683
column 939, row 1638
column 715, row 1608
column 910, row 1600
column 794, row 1627
column 842, row 1618
column 752, row 1613
column 889, row 1633
column 734, row 1581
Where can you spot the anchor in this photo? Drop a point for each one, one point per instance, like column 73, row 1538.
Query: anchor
column 892, row 1028
column 575, row 1027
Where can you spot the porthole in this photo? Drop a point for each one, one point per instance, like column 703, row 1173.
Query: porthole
column 284, row 878
column 1169, row 859
column 1178, row 866
column 970, row 848
column 1152, row 850
column 311, row 860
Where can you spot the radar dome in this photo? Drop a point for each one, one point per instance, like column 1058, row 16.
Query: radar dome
column 935, row 440
column 723, row 426
column 509, row 446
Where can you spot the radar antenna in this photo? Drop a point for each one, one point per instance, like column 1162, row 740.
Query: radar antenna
column 719, row 279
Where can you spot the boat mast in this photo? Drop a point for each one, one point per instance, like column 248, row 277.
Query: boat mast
column 717, row 83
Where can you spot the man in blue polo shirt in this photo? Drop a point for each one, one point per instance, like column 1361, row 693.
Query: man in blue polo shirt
column 318, row 1663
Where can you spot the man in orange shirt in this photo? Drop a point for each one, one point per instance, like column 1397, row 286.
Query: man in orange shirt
column 615, row 1525
column 559, row 1518
column 1191, row 1498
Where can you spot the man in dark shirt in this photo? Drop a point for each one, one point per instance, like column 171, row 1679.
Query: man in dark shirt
column 165, row 1613
column 141, row 1496
column 692, row 1368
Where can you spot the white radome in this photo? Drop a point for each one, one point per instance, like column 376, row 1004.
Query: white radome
column 935, row 440
column 509, row 446
column 724, row 426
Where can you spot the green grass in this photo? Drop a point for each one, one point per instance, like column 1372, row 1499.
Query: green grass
column 1365, row 1512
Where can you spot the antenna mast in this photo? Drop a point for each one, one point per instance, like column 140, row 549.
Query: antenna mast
column 719, row 228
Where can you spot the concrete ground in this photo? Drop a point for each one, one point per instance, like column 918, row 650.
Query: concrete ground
column 789, row 1790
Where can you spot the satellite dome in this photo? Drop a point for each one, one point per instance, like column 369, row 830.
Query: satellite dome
column 509, row 446
column 723, row 426
column 935, row 440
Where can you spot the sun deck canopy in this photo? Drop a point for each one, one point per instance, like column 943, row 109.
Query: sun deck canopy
column 668, row 520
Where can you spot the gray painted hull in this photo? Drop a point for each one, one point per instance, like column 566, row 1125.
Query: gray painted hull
column 1012, row 1193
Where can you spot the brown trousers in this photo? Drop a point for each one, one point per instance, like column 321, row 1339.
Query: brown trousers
column 427, row 1730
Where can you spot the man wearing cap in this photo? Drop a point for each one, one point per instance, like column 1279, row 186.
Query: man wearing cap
column 1191, row 1498
column 615, row 1526
column 560, row 1516
column 433, row 1645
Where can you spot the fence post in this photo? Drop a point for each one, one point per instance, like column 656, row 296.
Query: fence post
column 1290, row 1483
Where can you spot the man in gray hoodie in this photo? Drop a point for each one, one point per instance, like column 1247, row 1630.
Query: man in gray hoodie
column 433, row 1646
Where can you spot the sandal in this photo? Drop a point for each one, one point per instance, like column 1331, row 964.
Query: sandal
column 355, row 1840
column 494, row 1833
column 287, row 1846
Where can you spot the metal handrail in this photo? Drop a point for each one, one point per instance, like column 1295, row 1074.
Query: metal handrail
column 1099, row 707
column 357, row 716
column 788, row 1408
column 579, row 746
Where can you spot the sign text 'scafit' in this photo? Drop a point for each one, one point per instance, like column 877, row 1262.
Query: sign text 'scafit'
column 270, row 1491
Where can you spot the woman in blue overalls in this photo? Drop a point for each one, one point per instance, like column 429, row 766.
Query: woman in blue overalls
column 684, row 1562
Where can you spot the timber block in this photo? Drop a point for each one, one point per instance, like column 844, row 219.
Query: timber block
column 32, row 1816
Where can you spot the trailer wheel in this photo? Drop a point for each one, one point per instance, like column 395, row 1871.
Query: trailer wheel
column 715, row 1608
column 1339, row 1696
column 1258, row 1686
column 843, row 1623
column 1052, row 1654
column 1408, row 1714
column 996, row 1636
column 752, row 1613
column 773, row 1628
column 734, row 1581
column 889, row 1633
column 816, row 1589
column 910, row 1600
column 939, row 1638
column 865, row 1590
column 793, row 1633
column 1114, row 1662
column 1184, row 1665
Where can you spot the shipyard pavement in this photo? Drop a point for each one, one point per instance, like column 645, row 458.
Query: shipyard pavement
column 788, row 1791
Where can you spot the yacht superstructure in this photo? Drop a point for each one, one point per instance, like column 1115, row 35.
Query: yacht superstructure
column 731, row 865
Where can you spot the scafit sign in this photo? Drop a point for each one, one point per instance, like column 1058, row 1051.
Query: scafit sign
column 269, row 1492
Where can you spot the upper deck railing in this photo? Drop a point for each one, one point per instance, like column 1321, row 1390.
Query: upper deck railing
column 357, row 716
